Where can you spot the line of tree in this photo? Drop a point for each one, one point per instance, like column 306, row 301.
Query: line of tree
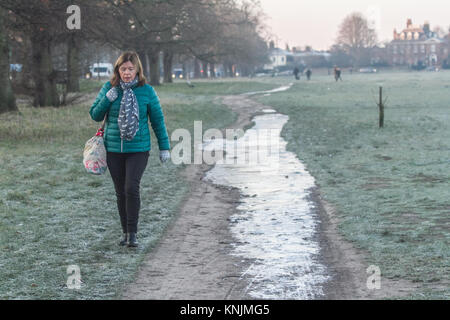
column 210, row 31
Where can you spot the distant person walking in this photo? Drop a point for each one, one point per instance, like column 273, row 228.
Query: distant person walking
column 128, row 103
column 308, row 74
column 337, row 74
column 296, row 73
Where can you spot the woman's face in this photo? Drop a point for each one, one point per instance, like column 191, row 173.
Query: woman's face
column 127, row 71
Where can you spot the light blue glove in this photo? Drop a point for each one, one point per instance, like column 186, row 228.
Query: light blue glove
column 112, row 94
column 164, row 155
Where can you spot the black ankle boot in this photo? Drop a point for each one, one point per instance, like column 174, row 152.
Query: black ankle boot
column 124, row 242
column 132, row 242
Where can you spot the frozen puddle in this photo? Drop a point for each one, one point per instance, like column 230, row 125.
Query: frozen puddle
column 269, row 111
column 275, row 225
column 269, row 92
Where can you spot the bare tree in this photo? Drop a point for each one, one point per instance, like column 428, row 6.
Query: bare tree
column 231, row 36
column 41, row 21
column 339, row 57
column 355, row 37
column 7, row 99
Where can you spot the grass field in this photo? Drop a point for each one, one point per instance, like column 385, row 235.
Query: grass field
column 53, row 214
column 391, row 186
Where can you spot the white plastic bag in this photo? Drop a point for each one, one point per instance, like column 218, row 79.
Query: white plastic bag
column 94, row 155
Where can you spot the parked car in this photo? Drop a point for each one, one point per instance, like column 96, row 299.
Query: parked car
column 433, row 69
column 260, row 74
column 368, row 70
column 101, row 70
column 15, row 67
column 177, row 73
column 284, row 73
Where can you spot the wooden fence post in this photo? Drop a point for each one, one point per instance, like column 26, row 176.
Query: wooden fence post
column 381, row 106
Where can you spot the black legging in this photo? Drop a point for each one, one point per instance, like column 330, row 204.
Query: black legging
column 126, row 171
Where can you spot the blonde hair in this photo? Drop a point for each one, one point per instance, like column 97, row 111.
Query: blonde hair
column 134, row 59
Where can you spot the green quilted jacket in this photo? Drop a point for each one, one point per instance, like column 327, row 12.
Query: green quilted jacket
column 149, row 107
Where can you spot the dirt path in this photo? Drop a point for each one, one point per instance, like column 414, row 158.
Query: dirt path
column 193, row 259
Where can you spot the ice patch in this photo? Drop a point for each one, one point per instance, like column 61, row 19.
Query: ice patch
column 275, row 225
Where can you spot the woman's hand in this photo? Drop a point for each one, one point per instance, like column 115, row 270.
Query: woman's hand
column 164, row 155
column 112, row 94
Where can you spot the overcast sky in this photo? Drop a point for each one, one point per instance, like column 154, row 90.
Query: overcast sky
column 316, row 22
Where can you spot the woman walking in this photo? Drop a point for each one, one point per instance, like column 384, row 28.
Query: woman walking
column 128, row 102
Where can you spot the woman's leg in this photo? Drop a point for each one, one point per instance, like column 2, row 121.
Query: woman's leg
column 135, row 167
column 116, row 166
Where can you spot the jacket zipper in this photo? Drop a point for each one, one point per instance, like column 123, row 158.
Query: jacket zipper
column 121, row 145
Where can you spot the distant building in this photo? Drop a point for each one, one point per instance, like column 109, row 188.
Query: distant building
column 417, row 45
column 311, row 53
column 312, row 58
column 278, row 58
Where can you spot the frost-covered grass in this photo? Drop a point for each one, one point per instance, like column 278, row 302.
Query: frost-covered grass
column 391, row 186
column 53, row 214
column 201, row 87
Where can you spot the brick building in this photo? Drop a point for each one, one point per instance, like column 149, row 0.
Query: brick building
column 417, row 45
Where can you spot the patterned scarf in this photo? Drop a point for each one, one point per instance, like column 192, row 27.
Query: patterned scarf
column 129, row 111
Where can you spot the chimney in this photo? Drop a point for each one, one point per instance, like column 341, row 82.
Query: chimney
column 426, row 28
column 395, row 34
column 409, row 23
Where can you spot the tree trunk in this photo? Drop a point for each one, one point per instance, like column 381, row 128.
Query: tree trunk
column 73, row 63
column 7, row 99
column 197, row 73
column 230, row 70
column 205, row 70
column 226, row 68
column 154, row 68
column 168, row 62
column 212, row 72
column 145, row 63
column 185, row 71
column 45, row 93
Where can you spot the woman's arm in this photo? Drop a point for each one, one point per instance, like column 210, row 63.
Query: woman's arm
column 101, row 105
column 157, row 121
